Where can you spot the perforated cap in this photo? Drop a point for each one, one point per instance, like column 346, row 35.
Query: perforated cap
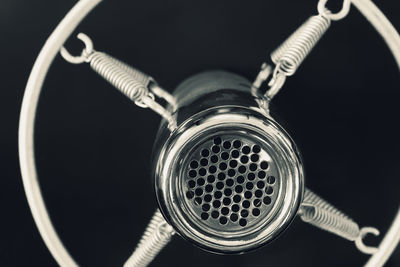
column 229, row 182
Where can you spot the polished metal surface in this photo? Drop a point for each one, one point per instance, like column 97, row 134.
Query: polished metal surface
column 230, row 181
column 229, row 178
column 34, row 86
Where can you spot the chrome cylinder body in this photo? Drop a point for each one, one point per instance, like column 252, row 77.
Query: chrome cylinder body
column 228, row 178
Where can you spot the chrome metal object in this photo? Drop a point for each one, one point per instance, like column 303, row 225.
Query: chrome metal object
column 157, row 234
column 229, row 178
column 320, row 213
column 34, row 87
column 133, row 83
column 292, row 52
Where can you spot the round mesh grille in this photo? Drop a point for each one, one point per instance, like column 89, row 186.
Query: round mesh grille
column 230, row 182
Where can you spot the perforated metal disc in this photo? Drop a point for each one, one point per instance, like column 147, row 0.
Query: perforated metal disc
column 230, row 182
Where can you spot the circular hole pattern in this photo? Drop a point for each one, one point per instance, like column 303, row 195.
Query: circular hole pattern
column 258, row 193
column 257, row 202
column 264, row 165
column 204, row 162
column 223, row 166
column 202, row 172
column 235, row 154
column 205, row 207
column 205, row 152
column 211, row 179
column 189, row 194
column 271, row 179
column 216, row 203
column 238, row 189
column 251, row 176
column 218, row 194
column 191, row 184
column 198, row 192
column 224, row 156
column 209, row 188
column 192, row 173
column 267, row 200
column 224, row 211
column 269, row 190
column 216, row 149
column 253, row 167
column 201, row 181
column 237, row 144
column 246, row 150
column 217, row 140
column 226, row 201
column 229, row 181
column 227, row 145
column 227, row 192
column 254, row 158
column 234, row 217
column 244, row 213
column 194, row 164
column 261, row 174
column 242, row 169
column 244, row 159
column 233, row 163
column 219, row 185
column 204, row 215
column 212, row 169
column 256, row 149
column 256, row 212
column 215, row 214
column 235, row 208
column 223, row 220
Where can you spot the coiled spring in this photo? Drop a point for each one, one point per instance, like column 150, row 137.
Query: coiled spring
column 131, row 82
column 116, row 73
column 294, row 50
column 157, row 234
column 320, row 213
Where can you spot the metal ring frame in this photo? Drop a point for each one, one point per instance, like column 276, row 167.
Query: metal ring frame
column 30, row 101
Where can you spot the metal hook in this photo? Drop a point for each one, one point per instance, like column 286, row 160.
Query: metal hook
column 85, row 52
column 276, row 83
column 359, row 241
column 334, row 16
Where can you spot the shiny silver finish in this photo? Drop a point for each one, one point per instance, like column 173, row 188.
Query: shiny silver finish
column 157, row 234
column 229, row 178
column 320, row 213
column 295, row 49
column 230, row 181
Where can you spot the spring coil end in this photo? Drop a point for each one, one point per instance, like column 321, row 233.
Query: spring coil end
column 292, row 53
column 157, row 234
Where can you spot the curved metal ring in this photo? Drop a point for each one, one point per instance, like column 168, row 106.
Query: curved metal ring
column 322, row 9
column 85, row 52
column 30, row 102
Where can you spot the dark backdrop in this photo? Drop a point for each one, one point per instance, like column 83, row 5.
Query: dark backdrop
column 93, row 145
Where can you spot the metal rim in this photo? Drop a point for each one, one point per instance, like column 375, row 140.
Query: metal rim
column 209, row 121
column 29, row 105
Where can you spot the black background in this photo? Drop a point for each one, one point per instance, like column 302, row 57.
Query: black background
column 93, row 145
